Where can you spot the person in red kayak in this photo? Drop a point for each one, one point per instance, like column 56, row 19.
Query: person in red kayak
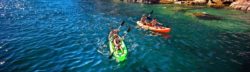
column 143, row 19
column 154, row 22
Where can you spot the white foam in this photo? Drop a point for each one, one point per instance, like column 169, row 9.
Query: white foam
column 2, row 14
column 2, row 62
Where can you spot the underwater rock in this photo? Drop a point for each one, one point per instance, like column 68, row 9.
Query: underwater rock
column 206, row 16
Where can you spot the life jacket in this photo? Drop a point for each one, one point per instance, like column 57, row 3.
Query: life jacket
column 117, row 43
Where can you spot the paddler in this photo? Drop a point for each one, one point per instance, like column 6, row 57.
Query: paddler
column 154, row 22
column 143, row 19
column 117, row 43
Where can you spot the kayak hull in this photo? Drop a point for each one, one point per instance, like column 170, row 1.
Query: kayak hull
column 118, row 55
column 155, row 28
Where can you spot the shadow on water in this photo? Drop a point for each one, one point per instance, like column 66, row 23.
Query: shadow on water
column 185, row 9
column 210, row 17
column 163, row 35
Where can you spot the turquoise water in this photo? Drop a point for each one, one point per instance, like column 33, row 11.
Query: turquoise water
column 71, row 35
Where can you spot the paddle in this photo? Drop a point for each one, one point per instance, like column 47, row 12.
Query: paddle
column 123, row 22
column 148, row 17
column 160, row 23
column 111, row 55
column 126, row 32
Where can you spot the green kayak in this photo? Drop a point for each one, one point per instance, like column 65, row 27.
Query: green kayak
column 118, row 55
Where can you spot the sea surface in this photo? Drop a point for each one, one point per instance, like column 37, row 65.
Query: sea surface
column 71, row 36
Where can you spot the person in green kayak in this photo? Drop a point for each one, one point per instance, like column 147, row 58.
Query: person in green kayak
column 116, row 40
column 117, row 43
column 143, row 19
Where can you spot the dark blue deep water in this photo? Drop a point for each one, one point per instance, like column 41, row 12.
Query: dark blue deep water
column 71, row 36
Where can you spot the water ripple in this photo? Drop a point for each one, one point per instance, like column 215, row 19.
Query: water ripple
column 64, row 35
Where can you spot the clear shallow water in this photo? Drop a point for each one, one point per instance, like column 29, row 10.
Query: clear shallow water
column 63, row 35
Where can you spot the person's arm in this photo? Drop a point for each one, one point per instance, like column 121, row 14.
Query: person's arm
column 141, row 19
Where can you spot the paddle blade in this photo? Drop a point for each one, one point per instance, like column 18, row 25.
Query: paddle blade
column 129, row 28
column 123, row 22
column 111, row 55
column 149, row 18
column 149, row 15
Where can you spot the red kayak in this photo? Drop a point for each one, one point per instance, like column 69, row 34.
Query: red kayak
column 160, row 29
